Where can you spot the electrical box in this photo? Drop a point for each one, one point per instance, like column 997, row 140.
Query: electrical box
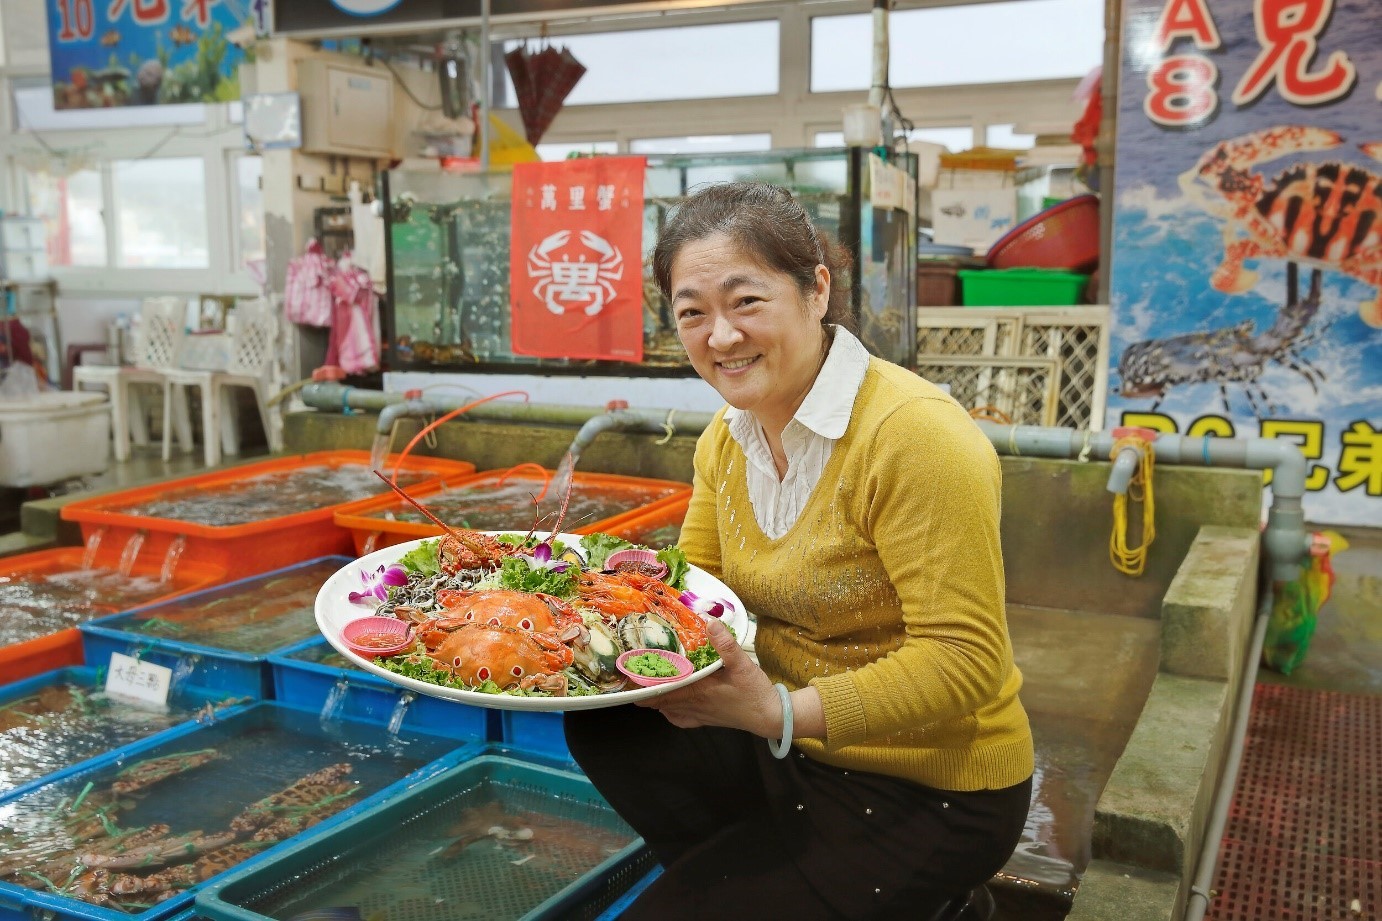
column 347, row 109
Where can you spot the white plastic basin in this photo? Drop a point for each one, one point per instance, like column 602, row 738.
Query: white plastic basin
column 53, row 436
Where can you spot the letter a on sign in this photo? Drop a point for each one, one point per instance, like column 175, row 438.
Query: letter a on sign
column 576, row 263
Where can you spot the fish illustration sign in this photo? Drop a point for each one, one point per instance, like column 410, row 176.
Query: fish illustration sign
column 1246, row 271
column 145, row 52
column 575, row 269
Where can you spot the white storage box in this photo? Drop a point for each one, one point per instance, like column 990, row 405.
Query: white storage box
column 53, row 436
column 972, row 217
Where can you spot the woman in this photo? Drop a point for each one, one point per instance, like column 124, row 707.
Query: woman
column 854, row 508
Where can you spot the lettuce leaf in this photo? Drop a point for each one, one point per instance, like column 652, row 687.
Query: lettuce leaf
column 599, row 546
column 677, row 567
column 422, row 559
column 516, row 574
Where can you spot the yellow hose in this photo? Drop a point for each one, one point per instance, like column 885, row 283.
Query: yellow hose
column 1132, row 560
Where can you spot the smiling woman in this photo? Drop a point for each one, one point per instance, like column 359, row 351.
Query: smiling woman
column 853, row 507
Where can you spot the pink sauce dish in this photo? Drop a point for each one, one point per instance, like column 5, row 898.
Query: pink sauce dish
column 369, row 637
column 634, row 560
column 676, row 660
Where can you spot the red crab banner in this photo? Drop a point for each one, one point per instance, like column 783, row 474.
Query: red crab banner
column 1246, row 272
column 576, row 263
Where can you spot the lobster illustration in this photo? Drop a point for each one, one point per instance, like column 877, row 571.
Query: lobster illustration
column 1231, row 354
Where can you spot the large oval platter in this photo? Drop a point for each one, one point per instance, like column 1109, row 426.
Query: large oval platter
column 334, row 610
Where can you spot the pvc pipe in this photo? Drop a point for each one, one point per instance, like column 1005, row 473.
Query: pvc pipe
column 1284, row 540
column 1198, row 901
column 334, row 397
column 1124, row 466
column 879, row 84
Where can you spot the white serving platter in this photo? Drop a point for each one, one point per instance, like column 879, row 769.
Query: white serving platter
column 334, row 610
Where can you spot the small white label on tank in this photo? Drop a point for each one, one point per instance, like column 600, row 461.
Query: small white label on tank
column 137, row 681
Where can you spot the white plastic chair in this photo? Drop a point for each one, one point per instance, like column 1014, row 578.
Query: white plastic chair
column 253, row 332
column 161, row 321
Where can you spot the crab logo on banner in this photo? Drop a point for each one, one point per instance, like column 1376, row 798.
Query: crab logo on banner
column 568, row 285
column 572, row 295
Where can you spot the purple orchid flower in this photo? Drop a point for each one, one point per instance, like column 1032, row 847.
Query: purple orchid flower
column 711, row 607
column 541, row 558
column 376, row 584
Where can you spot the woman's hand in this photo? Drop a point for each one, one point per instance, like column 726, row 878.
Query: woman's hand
column 738, row 696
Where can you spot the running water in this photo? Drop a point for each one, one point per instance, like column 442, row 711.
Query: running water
column 379, row 452
column 399, row 710
column 181, row 672
column 131, row 552
column 93, row 543
column 170, row 559
column 561, row 481
column 335, row 702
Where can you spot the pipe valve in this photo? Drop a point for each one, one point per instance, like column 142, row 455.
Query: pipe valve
column 1129, row 444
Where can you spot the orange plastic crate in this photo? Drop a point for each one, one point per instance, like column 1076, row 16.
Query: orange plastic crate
column 55, row 650
column 371, row 532
column 641, row 527
column 242, row 549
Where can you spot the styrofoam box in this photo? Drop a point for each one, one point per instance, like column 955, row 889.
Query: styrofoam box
column 53, row 436
column 972, row 217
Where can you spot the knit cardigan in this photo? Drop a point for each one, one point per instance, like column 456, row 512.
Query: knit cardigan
column 887, row 593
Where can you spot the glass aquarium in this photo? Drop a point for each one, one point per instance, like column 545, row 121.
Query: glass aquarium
column 448, row 245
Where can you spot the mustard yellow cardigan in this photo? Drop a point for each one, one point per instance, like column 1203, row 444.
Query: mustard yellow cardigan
column 887, row 594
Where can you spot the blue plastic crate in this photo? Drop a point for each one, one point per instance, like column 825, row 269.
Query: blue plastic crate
column 235, row 672
column 389, row 769
column 621, row 904
column 535, row 731
column 357, row 694
column 85, row 677
column 341, row 860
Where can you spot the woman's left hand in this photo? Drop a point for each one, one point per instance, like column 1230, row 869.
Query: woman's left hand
column 738, row 696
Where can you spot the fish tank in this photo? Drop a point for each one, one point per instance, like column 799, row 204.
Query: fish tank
column 448, row 258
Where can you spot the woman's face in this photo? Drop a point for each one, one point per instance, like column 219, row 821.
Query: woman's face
column 747, row 329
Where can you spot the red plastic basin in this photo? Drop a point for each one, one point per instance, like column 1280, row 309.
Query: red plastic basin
column 1064, row 236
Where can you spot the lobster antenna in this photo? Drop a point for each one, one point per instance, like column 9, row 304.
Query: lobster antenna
column 566, row 496
column 419, row 506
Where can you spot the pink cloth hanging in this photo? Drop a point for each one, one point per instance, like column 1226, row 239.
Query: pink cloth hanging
column 307, row 287
column 354, row 343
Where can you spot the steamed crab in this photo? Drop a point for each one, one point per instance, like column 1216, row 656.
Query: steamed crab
column 1327, row 215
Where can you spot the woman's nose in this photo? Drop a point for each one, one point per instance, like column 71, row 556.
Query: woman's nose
column 723, row 334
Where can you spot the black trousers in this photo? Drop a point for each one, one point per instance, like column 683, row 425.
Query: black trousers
column 742, row 834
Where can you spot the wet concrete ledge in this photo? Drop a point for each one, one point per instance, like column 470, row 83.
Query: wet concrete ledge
column 1154, row 810
column 1115, row 892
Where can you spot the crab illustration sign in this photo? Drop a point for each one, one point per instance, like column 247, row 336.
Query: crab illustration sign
column 1246, row 271
column 575, row 265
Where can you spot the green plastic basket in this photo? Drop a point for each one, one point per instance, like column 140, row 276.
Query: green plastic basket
column 1020, row 287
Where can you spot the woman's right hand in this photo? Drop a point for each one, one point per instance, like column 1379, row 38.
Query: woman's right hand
column 738, row 696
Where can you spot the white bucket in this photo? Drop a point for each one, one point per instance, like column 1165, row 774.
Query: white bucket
column 53, row 436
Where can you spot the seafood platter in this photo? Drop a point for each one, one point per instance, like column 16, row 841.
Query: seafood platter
column 537, row 621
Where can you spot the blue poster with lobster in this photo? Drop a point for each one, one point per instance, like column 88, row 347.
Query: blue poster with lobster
column 145, row 52
column 1247, row 235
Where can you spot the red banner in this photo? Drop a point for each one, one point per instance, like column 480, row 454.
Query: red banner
column 576, row 263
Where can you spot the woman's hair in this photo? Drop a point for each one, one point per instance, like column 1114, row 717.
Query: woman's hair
column 769, row 224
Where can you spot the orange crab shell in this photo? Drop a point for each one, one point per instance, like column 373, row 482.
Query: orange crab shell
column 532, row 611
column 477, row 653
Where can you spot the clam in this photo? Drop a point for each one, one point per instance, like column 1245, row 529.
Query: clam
column 649, row 631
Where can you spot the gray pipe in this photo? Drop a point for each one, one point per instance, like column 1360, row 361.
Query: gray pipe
column 1284, row 540
column 1198, row 902
column 334, row 397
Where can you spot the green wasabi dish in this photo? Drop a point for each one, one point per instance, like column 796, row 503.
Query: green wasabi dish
column 650, row 665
